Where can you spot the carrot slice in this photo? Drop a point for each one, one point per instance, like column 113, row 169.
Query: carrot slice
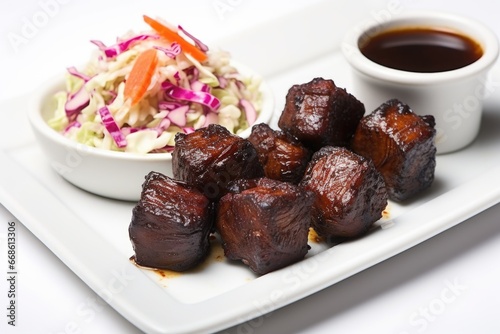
column 173, row 36
column 140, row 76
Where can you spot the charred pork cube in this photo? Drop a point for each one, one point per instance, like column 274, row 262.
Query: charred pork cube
column 211, row 157
column 350, row 193
column 265, row 224
column 283, row 157
column 318, row 114
column 401, row 145
column 170, row 224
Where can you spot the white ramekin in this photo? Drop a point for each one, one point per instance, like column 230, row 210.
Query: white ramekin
column 454, row 98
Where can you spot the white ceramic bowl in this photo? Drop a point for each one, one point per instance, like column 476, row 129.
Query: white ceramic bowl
column 116, row 175
column 453, row 97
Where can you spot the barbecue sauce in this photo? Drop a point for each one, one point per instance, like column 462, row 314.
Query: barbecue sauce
column 424, row 50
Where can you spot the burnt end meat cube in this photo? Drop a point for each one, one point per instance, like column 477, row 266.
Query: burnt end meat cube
column 170, row 224
column 211, row 157
column 401, row 145
column 283, row 157
column 318, row 114
column 265, row 224
column 350, row 194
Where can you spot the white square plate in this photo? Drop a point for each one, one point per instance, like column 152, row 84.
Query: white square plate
column 90, row 234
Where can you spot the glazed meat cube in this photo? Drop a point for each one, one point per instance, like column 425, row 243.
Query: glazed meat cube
column 211, row 157
column 318, row 113
column 170, row 224
column 283, row 157
column 350, row 193
column 401, row 145
column 265, row 224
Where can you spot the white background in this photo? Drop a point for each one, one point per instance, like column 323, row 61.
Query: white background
column 449, row 284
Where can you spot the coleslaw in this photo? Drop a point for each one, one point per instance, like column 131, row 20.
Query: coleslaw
column 183, row 94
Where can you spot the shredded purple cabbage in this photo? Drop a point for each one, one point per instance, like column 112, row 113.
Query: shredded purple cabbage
column 172, row 52
column 200, row 86
column 188, row 129
column 114, row 50
column 164, row 124
column 74, row 124
column 202, row 46
column 76, row 103
column 180, row 93
column 114, row 130
column 222, row 82
column 73, row 71
column 168, row 105
column 250, row 112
